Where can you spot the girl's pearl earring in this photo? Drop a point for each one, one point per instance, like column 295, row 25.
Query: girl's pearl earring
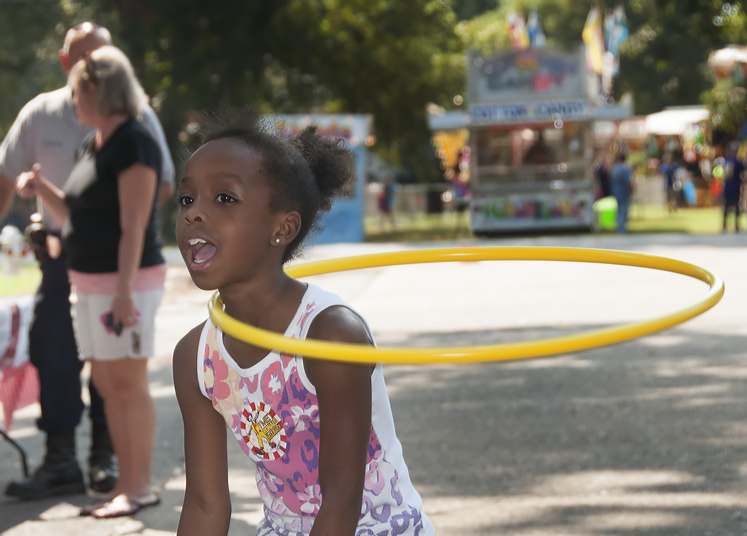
column 277, row 240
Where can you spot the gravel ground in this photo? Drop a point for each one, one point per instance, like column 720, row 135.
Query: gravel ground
column 644, row 437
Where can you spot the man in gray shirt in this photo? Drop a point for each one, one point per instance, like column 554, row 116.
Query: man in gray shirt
column 47, row 132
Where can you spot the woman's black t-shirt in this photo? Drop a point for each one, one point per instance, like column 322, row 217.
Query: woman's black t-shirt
column 92, row 231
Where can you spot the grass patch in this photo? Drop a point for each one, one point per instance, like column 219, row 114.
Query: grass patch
column 642, row 219
column 419, row 228
column 656, row 219
column 25, row 281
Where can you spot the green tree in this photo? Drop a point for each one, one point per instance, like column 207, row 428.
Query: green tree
column 562, row 22
column 469, row 9
column 386, row 58
column 727, row 104
column 380, row 57
column 662, row 62
column 30, row 36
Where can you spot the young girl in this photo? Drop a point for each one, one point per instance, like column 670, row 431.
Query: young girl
column 320, row 433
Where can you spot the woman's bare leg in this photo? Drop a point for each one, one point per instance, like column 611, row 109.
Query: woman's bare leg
column 140, row 414
column 100, row 378
column 131, row 412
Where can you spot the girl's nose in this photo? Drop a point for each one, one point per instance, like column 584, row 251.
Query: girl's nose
column 193, row 214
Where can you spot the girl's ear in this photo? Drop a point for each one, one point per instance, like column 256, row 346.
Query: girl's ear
column 290, row 226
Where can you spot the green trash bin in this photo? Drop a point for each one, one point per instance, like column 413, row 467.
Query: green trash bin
column 605, row 213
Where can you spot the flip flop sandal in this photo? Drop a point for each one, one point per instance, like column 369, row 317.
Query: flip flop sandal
column 135, row 505
column 106, row 511
column 88, row 509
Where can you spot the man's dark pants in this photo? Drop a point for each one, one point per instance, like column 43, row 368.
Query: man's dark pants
column 731, row 200
column 53, row 352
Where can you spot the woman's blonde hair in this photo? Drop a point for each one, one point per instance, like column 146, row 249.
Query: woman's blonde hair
column 109, row 69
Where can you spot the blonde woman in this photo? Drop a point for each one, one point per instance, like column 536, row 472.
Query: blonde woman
column 116, row 266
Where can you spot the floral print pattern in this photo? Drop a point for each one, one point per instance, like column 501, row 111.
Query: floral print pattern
column 289, row 485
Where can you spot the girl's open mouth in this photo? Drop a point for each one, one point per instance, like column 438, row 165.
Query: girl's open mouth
column 201, row 253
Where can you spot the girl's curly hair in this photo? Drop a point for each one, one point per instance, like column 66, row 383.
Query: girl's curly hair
column 306, row 172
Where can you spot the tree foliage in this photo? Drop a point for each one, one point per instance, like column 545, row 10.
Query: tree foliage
column 389, row 58
column 662, row 63
column 29, row 41
column 727, row 104
column 562, row 22
column 382, row 57
column 469, row 9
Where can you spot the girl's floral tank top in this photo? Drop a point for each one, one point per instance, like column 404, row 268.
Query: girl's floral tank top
column 272, row 410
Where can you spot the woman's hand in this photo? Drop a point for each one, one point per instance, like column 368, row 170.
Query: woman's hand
column 123, row 310
column 32, row 183
column 27, row 182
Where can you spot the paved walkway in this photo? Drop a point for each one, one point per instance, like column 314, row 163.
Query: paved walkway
column 646, row 437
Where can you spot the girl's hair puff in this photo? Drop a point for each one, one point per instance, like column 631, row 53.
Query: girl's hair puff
column 305, row 172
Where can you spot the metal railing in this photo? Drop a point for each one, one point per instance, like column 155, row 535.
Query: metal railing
column 546, row 173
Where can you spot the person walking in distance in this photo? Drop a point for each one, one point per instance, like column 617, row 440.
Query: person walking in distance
column 386, row 202
column 733, row 173
column 668, row 170
column 47, row 132
column 621, row 183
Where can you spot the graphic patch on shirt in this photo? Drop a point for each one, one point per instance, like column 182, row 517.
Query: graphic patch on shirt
column 263, row 431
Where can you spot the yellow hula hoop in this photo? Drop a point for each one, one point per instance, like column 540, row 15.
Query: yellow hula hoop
column 355, row 353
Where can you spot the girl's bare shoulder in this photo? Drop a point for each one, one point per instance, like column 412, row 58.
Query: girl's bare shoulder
column 185, row 353
column 340, row 324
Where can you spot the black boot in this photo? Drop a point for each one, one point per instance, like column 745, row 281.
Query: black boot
column 102, row 465
column 58, row 475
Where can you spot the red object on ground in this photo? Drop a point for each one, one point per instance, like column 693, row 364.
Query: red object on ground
column 19, row 387
column 19, row 380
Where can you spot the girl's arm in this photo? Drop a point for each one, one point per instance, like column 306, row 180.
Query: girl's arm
column 33, row 183
column 344, row 395
column 207, row 503
column 136, row 187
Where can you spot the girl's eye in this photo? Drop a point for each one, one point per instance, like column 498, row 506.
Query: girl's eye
column 185, row 200
column 225, row 198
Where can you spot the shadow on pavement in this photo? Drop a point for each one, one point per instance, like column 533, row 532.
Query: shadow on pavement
column 645, row 437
